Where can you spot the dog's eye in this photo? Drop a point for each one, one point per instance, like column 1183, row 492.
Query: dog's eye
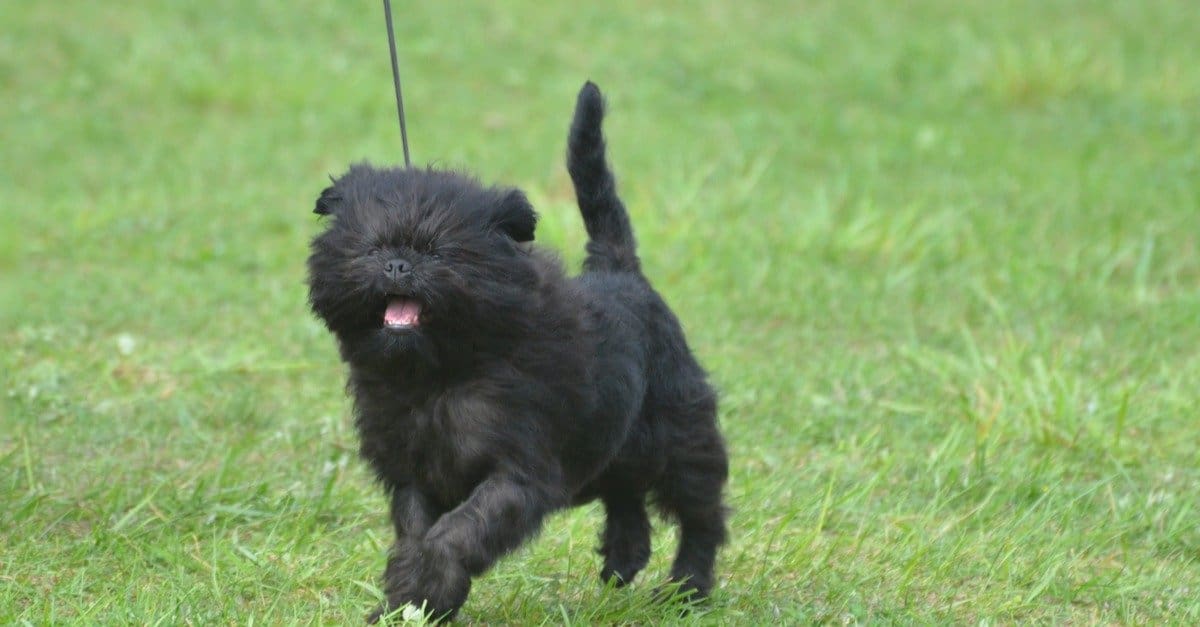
column 373, row 252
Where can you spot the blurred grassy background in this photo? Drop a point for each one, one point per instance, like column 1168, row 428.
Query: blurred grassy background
column 941, row 258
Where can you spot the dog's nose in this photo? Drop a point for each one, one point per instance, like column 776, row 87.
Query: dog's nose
column 396, row 267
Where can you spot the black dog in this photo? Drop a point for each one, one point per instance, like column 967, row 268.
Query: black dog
column 490, row 389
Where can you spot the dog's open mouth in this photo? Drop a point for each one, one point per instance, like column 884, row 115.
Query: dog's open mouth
column 402, row 313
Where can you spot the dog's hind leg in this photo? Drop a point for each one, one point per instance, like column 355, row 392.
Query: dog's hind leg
column 690, row 491
column 626, row 539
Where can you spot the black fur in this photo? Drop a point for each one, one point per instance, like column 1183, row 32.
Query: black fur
column 520, row 391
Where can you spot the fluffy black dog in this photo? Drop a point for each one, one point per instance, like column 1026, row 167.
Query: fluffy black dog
column 490, row 389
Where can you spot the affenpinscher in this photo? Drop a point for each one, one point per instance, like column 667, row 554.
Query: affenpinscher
column 490, row 389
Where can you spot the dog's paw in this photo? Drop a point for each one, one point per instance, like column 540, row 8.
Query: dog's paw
column 616, row 577
column 425, row 576
column 623, row 562
column 683, row 594
column 407, row 615
column 621, row 567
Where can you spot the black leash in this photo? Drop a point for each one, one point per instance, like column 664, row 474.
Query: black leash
column 387, row 13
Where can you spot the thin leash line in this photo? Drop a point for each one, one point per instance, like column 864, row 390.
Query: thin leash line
column 387, row 13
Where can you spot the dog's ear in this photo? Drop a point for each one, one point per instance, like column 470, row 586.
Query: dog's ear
column 326, row 201
column 515, row 216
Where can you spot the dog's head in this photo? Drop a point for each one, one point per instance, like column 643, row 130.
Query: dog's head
column 414, row 264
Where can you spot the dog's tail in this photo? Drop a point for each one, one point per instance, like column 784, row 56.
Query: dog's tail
column 610, row 237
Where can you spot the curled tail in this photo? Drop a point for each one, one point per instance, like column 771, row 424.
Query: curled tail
column 610, row 237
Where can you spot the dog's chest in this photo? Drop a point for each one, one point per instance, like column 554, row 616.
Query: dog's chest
column 440, row 444
column 449, row 458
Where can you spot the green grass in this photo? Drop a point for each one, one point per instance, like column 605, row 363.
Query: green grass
column 942, row 259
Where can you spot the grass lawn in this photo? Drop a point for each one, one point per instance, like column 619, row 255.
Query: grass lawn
column 941, row 258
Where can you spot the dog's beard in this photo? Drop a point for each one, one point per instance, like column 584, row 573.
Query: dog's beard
column 390, row 351
column 444, row 318
column 393, row 332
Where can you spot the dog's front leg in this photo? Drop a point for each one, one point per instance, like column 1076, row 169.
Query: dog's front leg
column 501, row 512
column 413, row 514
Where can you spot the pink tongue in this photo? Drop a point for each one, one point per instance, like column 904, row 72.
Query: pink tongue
column 402, row 312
